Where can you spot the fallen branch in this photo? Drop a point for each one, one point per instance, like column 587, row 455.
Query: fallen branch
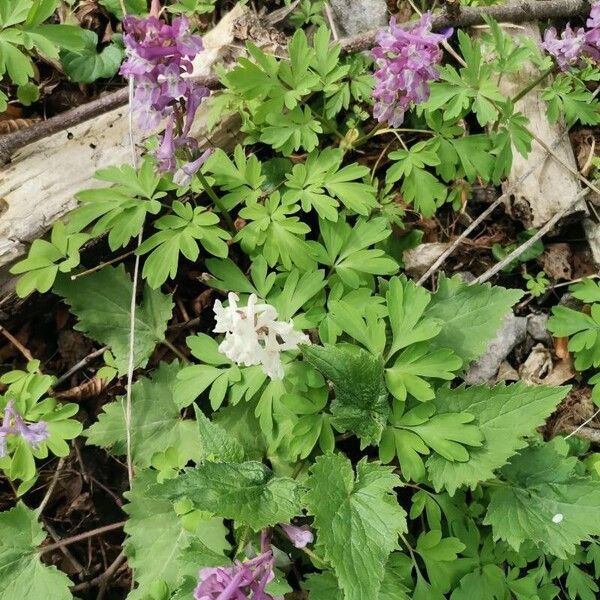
column 531, row 10
column 81, row 536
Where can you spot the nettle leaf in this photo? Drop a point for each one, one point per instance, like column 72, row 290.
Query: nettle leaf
column 22, row 574
column 319, row 183
column 120, row 209
column 46, row 260
column 155, row 421
column 504, row 414
column 346, row 249
column 241, row 177
column 88, row 65
column 248, row 492
column 583, row 331
column 179, row 233
column 157, row 541
column 545, row 501
column 101, row 301
column 216, row 443
column 358, row 520
column 470, row 315
column 360, row 403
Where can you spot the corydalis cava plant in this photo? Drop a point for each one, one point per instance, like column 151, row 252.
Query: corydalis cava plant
column 406, row 60
column 573, row 45
column 159, row 59
column 254, row 336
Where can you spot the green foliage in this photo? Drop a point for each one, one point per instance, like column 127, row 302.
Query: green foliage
column 545, row 501
column 22, row 573
column 364, row 504
column 501, row 252
column 155, row 421
column 101, row 301
column 192, row 7
column 30, row 391
column 248, row 492
column 46, row 259
column 179, row 233
column 23, row 31
column 537, row 285
column 569, row 98
column 133, row 7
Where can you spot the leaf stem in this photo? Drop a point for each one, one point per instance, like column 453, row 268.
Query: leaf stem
column 314, row 557
column 531, row 86
column 213, row 196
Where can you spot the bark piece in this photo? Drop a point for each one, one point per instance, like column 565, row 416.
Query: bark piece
column 550, row 188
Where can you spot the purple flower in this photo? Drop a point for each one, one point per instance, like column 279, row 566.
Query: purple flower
column 159, row 59
column 241, row 581
column 299, row 536
column 565, row 49
column 406, row 61
column 14, row 424
column 183, row 176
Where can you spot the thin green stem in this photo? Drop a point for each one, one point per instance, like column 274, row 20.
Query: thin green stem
column 532, row 85
column 314, row 557
column 213, row 196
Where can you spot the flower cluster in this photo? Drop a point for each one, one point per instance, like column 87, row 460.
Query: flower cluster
column 406, row 62
column 159, row 59
column 254, row 336
column 241, row 581
column 14, row 424
column 572, row 45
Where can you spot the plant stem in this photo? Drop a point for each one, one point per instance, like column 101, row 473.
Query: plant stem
column 315, row 557
column 213, row 196
column 532, row 85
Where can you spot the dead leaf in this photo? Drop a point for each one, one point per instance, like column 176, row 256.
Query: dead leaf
column 557, row 262
column 11, row 125
column 561, row 347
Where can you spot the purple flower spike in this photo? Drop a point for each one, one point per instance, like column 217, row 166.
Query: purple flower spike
column 565, row 49
column 406, row 62
column 241, row 581
column 14, row 424
column 159, row 59
column 299, row 536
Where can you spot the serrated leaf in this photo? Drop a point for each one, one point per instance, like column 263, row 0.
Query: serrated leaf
column 545, row 501
column 217, row 445
column 101, row 301
column 504, row 414
column 358, row 520
column 360, row 403
column 22, row 573
column 157, row 541
column 155, row 421
column 248, row 492
column 470, row 315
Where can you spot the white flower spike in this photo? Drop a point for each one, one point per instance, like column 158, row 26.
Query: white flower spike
column 254, row 336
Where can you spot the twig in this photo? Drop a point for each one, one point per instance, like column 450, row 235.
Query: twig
column 103, row 578
column 81, row 536
column 16, row 343
column 86, row 360
column 588, row 433
column 526, row 10
column 112, row 261
column 532, row 240
column 50, row 490
column 331, row 21
column 76, row 564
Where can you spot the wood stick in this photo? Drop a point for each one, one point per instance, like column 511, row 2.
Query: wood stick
column 527, row 10
column 80, row 536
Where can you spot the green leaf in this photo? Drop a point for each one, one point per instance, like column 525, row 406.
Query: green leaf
column 88, row 65
column 217, row 445
column 358, row 520
column 292, row 131
column 248, row 492
column 155, row 421
column 133, row 7
column 485, row 583
column 157, row 541
column 581, row 585
column 504, row 414
column 545, row 501
column 470, row 315
column 360, row 403
column 101, row 301
column 179, row 233
column 22, row 574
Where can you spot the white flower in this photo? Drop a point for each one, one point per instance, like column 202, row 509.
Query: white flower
column 254, row 336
